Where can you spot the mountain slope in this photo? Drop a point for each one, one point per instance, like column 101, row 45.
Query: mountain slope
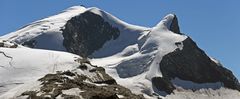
column 28, row 65
column 35, row 73
column 155, row 61
column 44, row 33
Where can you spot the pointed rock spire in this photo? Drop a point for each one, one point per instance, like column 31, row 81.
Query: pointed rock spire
column 170, row 22
column 174, row 27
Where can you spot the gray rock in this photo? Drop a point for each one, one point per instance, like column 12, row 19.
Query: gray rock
column 86, row 33
column 192, row 64
column 30, row 43
column 163, row 84
column 174, row 27
column 53, row 85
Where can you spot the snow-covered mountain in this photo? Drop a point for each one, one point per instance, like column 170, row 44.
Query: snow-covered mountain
column 151, row 62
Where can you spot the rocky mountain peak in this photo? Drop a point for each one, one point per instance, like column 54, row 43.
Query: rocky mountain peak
column 147, row 62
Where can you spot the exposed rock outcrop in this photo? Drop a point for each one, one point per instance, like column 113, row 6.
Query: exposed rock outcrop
column 31, row 43
column 192, row 64
column 174, row 27
column 7, row 44
column 86, row 33
column 163, row 84
column 63, row 84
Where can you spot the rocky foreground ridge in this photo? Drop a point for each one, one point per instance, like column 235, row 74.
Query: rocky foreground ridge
column 94, row 83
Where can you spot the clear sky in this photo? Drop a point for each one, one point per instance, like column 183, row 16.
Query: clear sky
column 213, row 24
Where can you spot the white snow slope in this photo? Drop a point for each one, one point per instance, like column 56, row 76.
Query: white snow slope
column 46, row 31
column 132, row 59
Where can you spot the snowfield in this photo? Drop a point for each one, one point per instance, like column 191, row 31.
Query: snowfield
column 132, row 59
column 28, row 65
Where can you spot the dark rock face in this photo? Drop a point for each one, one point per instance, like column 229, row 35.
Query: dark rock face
column 31, row 44
column 163, row 84
column 87, row 33
column 174, row 25
column 192, row 64
column 1, row 44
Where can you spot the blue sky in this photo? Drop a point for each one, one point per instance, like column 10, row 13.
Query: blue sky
column 213, row 24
